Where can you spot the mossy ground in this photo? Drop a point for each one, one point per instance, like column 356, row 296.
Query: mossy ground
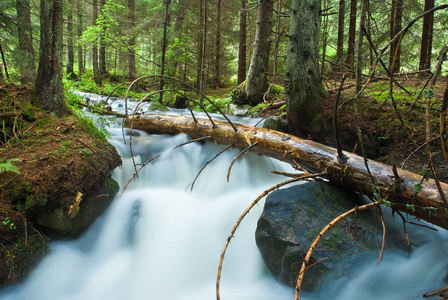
column 56, row 158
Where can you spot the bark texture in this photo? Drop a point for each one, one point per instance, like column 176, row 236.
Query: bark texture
column 242, row 47
column 303, row 82
column 314, row 157
column 426, row 45
column 132, row 70
column 48, row 89
column 26, row 49
column 257, row 82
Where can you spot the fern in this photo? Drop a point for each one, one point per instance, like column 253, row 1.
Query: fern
column 8, row 166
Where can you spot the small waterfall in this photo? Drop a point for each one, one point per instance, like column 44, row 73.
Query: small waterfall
column 162, row 240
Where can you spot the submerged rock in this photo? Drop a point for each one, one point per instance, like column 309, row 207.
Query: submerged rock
column 294, row 216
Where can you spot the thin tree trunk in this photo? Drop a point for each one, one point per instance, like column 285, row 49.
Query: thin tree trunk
column 314, row 157
column 257, row 82
column 4, row 61
column 96, row 71
column 166, row 3
column 426, row 45
column 102, row 50
column 395, row 27
column 324, row 39
column 201, row 46
column 178, row 33
column 278, row 35
column 70, row 47
column 341, row 28
column 362, row 21
column 242, row 45
column 132, row 70
column 79, row 34
column 350, row 62
column 26, row 58
column 217, row 77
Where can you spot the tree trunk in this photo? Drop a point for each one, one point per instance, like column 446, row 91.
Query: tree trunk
column 324, row 38
column 201, row 46
column 132, row 70
column 217, row 78
column 278, row 35
column 96, row 71
column 341, row 28
column 4, row 62
column 303, row 83
column 350, row 62
column 26, row 49
column 359, row 54
column 242, row 45
column 314, row 157
column 79, row 34
column 257, row 82
column 426, row 46
column 178, row 34
column 166, row 3
column 395, row 27
column 48, row 88
column 102, row 50
column 70, row 47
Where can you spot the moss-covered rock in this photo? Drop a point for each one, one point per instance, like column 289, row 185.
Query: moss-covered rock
column 292, row 219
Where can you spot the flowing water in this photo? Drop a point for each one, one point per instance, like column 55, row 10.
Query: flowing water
column 162, row 240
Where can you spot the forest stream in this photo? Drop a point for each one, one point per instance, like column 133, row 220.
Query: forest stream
column 163, row 237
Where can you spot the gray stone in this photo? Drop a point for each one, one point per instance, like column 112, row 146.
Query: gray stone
column 293, row 217
column 57, row 223
column 276, row 123
column 238, row 110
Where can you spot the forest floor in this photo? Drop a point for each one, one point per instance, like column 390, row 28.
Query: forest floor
column 384, row 137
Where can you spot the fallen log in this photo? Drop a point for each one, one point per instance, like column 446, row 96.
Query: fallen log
column 405, row 191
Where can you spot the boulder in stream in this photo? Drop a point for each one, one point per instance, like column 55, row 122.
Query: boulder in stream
column 293, row 217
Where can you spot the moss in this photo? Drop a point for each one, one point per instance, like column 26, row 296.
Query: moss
column 29, row 112
column 257, row 109
column 42, row 122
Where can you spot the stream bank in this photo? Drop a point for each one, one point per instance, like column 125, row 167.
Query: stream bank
column 55, row 180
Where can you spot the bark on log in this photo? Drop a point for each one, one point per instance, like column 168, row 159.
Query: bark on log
column 316, row 158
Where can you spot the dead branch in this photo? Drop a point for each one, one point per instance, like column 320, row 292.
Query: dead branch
column 157, row 156
column 240, row 219
column 238, row 156
column 206, row 164
column 319, row 237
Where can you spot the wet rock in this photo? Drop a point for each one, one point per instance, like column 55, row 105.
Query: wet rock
column 60, row 223
column 276, row 123
column 292, row 219
column 238, row 110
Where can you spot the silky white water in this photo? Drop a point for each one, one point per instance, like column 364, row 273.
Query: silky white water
column 160, row 240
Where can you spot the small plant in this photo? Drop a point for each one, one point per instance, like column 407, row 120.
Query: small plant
column 7, row 166
column 9, row 223
column 432, row 211
column 376, row 194
column 67, row 144
column 417, row 187
column 410, row 207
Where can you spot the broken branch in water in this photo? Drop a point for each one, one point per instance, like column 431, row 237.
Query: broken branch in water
column 240, row 219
